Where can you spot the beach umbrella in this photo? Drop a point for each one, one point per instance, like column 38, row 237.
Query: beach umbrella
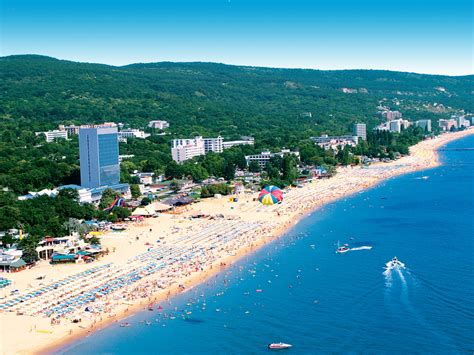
column 270, row 195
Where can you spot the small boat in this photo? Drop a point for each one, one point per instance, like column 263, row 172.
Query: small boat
column 118, row 227
column 123, row 325
column 394, row 264
column 151, row 307
column 342, row 249
column 279, row 346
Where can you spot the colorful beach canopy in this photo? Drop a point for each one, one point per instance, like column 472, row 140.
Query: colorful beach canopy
column 270, row 195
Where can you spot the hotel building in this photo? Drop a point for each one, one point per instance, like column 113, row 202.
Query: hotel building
column 264, row 157
column 99, row 156
column 360, row 130
column 424, row 124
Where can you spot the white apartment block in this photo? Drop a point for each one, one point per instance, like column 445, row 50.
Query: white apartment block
column 52, row 135
column 185, row 149
column 360, row 130
column 158, row 124
column 461, row 121
column 446, row 125
column 186, row 141
column 424, row 124
column 264, row 157
column 213, row 145
column 396, row 126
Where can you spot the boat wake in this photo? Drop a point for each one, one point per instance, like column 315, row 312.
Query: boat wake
column 441, row 296
column 364, row 247
column 388, row 278
column 406, row 278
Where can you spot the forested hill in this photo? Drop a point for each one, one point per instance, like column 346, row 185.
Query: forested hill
column 279, row 107
column 209, row 98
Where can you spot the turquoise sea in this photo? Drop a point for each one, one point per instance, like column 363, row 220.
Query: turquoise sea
column 323, row 302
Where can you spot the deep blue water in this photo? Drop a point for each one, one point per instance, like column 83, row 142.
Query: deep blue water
column 324, row 302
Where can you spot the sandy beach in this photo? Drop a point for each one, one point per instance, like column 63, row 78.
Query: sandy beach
column 160, row 257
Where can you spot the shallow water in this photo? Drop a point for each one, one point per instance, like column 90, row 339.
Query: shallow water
column 298, row 290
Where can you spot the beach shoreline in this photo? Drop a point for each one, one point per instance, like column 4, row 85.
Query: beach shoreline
column 422, row 156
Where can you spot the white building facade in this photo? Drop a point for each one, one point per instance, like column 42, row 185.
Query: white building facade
column 230, row 144
column 52, row 135
column 132, row 133
column 424, row 124
column 213, row 145
column 185, row 149
column 334, row 142
column 396, row 126
column 360, row 130
column 158, row 124
column 264, row 157
column 71, row 129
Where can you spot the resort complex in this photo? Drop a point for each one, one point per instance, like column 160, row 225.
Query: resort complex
column 156, row 254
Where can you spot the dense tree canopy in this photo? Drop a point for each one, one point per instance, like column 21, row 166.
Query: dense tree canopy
column 279, row 107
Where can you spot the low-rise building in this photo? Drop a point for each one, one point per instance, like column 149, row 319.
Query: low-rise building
column 132, row 133
column 145, row 178
column 84, row 195
column 334, row 142
column 264, row 157
column 158, row 124
column 230, row 144
column 11, row 261
column 62, row 245
column 34, row 194
column 52, row 135
column 318, row 172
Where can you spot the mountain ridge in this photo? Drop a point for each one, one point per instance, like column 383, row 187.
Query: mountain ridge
column 151, row 64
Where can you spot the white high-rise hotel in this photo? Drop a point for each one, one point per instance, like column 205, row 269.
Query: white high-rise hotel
column 360, row 130
column 184, row 149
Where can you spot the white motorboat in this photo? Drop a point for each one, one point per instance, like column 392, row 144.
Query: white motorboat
column 394, row 264
column 342, row 249
column 279, row 346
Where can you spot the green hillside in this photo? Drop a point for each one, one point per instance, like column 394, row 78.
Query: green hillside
column 38, row 93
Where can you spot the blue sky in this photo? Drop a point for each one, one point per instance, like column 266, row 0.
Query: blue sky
column 429, row 36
